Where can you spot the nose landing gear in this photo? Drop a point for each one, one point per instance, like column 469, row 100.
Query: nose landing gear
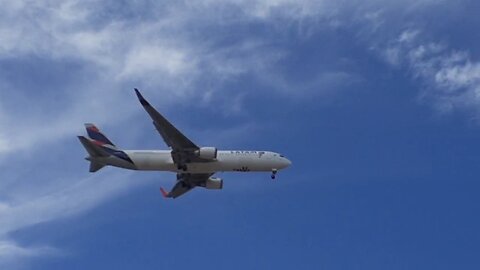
column 274, row 173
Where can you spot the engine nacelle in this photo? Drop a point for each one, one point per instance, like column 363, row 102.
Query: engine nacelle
column 214, row 183
column 207, row 152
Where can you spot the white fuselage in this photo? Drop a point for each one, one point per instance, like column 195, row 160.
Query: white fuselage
column 241, row 161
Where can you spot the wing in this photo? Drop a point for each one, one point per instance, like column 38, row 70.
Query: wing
column 183, row 149
column 171, row 135
column 185, row 183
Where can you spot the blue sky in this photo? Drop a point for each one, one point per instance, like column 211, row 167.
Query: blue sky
column 375, row 102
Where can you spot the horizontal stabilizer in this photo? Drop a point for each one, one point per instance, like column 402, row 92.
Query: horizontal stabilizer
column 95, row 166
column 94, row 152
column 92, row 149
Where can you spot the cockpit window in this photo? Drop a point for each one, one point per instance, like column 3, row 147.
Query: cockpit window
column 282, row 156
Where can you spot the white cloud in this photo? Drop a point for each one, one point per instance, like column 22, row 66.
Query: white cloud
column 13, row 255
column 66, row 201
column 408, row 36
column 451, row 78
column 457, row 74
column 9, row 249
column 63, row 202
column 145, row 60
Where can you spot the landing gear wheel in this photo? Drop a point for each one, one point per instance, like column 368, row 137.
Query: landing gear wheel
column 274, row 173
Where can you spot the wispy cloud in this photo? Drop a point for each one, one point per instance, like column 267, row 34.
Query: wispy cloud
column 12, row 256
column 63, row 201
column 447, row 77
column 450, row 78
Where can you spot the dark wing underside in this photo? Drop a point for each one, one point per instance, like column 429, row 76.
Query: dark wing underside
column 185, row 183
column 183, row 149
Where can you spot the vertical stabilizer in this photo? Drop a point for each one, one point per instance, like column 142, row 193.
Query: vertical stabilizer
column 95, row 134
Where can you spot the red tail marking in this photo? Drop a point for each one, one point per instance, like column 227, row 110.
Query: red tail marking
column 164, row 193
column 93, row 128
column 98, row 142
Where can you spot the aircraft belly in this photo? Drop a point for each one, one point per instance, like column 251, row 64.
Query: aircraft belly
column 255, row 165
column 204, row 167
column 228, row 164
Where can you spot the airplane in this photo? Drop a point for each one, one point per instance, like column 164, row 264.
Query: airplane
column 193, row 165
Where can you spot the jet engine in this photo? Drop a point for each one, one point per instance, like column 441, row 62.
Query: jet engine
column 214, row 183
column 207, row 152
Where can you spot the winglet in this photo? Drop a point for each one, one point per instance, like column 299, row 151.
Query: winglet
column 142, row 100
column 164, row 193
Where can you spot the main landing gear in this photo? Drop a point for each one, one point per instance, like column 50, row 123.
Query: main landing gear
column 182, row 167
column 274, row 173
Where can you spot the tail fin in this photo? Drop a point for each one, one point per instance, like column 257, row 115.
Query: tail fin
column 95, row 134
column 95, row 152
column 101, row 150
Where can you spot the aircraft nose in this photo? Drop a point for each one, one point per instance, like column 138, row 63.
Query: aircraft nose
column 286, row 162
